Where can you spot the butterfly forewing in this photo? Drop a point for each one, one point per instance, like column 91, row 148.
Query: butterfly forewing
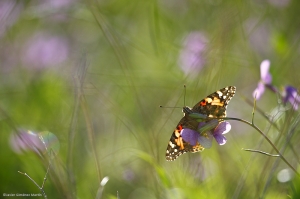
column 214, row 106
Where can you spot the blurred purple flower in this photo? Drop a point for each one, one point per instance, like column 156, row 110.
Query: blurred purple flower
column 291, row 95
column 9, row 13
column 279, row 3
column 54, row 10
column 265, row 79
column 128, row 175
column 191, row 59
column 59, row 4
column 44, row 51
column 205, row 137
column 26, row 141
column 259, row 34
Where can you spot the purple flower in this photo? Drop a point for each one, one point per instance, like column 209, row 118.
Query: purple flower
column 58, row 4
column 54, row 10
column 222, row 128
column 265, row 79
column 10, row 11
column 191, row 59
column 44, row 50
column 36, row 142
column 279, row 3
column 129, row 175
column 291, row 95
column 26, row 141
column 206, row 131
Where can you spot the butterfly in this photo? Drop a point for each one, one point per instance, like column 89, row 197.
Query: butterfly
column 213, row 106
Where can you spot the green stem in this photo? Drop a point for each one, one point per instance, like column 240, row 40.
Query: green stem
column 270, row 142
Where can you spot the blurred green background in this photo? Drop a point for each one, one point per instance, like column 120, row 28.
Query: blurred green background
column 94, row 74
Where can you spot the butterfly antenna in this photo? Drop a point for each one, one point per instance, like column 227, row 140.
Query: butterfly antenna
column 168, row 107
column 184, row 87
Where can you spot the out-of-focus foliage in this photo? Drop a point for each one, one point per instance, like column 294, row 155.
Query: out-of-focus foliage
column 93, row 73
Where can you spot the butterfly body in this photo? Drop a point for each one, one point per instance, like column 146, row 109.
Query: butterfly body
column 213, row 106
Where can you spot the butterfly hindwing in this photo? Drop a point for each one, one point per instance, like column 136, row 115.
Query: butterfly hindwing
column 214, row 106
column 177, row 146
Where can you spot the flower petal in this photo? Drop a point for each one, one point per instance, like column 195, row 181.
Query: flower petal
column 294, row 103
column 222, row 128
column 26, row 141
column 291, row 95
column 206, row 141
column 264, row 72
column 257, row 93
column 190, row 136
column 221, row 140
